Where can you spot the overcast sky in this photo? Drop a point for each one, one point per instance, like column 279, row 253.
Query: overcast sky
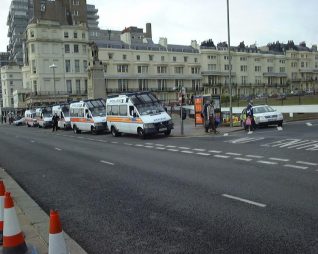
column 180, row 21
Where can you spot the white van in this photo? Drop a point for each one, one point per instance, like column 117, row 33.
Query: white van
column 137, row 113
column 44, row 117
column 63, row 112
column 30, row 118
column 88, row 115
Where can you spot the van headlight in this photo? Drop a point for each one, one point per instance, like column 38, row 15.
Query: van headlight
column 149, row 126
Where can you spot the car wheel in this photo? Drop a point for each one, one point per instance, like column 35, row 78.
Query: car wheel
column 76, row 130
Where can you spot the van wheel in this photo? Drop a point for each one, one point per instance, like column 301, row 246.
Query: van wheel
column 114, row 132
column 140, row 132
column 93, row 131
column 168, row 132
column 76, row 130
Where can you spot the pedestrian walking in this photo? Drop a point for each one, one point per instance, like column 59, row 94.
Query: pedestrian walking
column 211, row 115
column 206, row 116
column 55, row 120
column 250, row 117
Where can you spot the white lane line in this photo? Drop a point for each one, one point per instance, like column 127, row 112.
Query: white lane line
column 100, row 140
column 58, row 149
column 234, row 154
column 171, row 146
column 161, row 148
column 204, row 154
column 309, row 124
column 114, row 142
column 278, row 159
column 139, row 145
column 307, row 163
column 173, row 150
column 221, row 156
column 198, row 149
column 107, row 162
column 268, row 162
column 244, row 200
column 186, row 151
column 160, row 145
column 295, row 166
column 254, row 156
column 215, row 151
column 149, row 146
column 185, row 148
column 128, row 144
column 242, row 159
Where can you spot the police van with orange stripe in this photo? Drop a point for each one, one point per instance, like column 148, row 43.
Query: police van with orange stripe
column 88, row 115
column 137, row 113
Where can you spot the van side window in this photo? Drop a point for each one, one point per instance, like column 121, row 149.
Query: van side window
column 114, row 110
column 123, row 110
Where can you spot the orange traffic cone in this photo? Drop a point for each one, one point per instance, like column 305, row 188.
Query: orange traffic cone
column 2, row 192
column 13, row 239
column 57, row 243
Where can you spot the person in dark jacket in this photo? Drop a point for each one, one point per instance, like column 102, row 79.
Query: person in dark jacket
column 250, row 114
column 55, row 120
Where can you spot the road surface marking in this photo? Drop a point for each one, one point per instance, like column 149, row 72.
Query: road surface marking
column 279, row 128
column 254, row 156
column 114, row 142
column 149, row 143
column 244, row 200
column 278, row 159
column 159, row 145
column 58, row 149
column 107, row 162
column 161, row 148
column 221, row 156
column 267, row 162
column 215, row 151
column 186, row 151
column 204, row 154
column 182, row 147
column 198, row 150
column 234, row 154
column 225, row 134
column 244, row 140
column 242, row 159
column 171, row 146
column 309, row 124
column 139, row 145
column 128, row 144
column 149, row 146
column 295, row 166
column 307, row 163
column 173, row 150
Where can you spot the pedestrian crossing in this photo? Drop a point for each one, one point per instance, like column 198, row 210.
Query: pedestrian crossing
column 298, row 144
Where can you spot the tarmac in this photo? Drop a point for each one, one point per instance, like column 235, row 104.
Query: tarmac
column 34, row 222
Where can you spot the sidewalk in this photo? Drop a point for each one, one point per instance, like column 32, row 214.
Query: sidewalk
column 34, row 222
column 190, row 130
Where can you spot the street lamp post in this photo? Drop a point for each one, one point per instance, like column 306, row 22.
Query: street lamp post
column 230, row 67
column 53, row 66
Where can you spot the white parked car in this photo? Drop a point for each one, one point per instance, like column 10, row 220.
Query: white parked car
column 264, row 115
column 19, row 122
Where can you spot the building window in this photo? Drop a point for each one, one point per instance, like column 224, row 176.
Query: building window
column 243, row 58
column 243, row 79
column 110, row 56
column 122, row 85
column 281, row 69
column 83, row 35
column 69, row 86
column 258, row 68
column 150, row 57
column 32, row 48
column 270, row 69
column 124, row 57
column 211, row 67
column 85, row 65
column 78, row 86
column 75, row 2
column 123, row 68
column 75, row 12
column 174, row 58
column 65, row 34
column 138, row 57
column 84, row 49
column 67, row 48
column 75, row 35
column 185, row 59
column 161, row 69
column 67, row 65
column 195, row 60
column 196, row 85
column 178, row 84
column 162, row 84
column 77, row 66
column 143, row 84
column 33, row 66
column 162, row 58
column 142, row 69
column 76, row 48
column 178, row 70
column 244, row 68
column 31, row 33
column 195, row 70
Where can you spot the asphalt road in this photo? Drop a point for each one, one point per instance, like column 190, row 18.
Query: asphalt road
column 241, row 193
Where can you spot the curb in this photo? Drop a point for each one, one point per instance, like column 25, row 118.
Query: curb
column 34, row 221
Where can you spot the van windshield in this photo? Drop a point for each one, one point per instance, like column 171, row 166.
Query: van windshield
column 147, row 104
column 97, row 107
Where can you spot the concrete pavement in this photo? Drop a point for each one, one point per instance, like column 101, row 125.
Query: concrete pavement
column 34, row 221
